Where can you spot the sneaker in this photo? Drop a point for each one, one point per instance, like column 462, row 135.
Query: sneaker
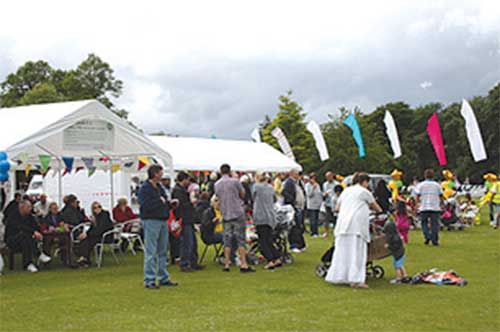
column 169, row 283
column 247, row 270
column 314, row 236
column 427, row 242
column 395, row 281
column 296, row 251
column 44, row 258
column 32, row 268
column 152, row 286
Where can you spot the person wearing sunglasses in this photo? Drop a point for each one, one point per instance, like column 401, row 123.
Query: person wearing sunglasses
column 101, row 223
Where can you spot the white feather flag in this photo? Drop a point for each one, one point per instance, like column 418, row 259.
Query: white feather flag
column 473, row 132
column 392, row 134
column 283, row 142
column 318, row 138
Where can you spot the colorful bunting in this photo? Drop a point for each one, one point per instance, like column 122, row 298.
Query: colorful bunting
column 352, row 123
column 68, row 162
column 78, row 169
column 144, row 160
column 434, row 132
column 141, row 165
column 128, row 164
column 45, row 161
column 23, row 157
column 88, row 162
column 115, row 168
column 27, row 170
column 91, row 171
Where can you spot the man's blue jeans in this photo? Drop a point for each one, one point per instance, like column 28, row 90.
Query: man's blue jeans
column 189, row 247
column 155, row 256
column 313, row 221
column 433, row 216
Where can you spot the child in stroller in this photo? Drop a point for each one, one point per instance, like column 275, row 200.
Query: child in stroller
column 376, row 251
column 285, row 216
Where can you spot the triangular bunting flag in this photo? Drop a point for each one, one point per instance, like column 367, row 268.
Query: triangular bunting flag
column 23, row 157
column 45, row 161
column 68, row 162
column 88, row 162
column 115, row 168
column 141, row 165
column 144, row 160
column 27, row 170
column 128, row 164
column 78, row 169
column 91, row 171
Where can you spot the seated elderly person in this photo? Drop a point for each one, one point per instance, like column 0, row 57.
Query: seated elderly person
column 71, row 213
column 101, row 223
column 41, row 208
column 122, row 212
column 22, row 233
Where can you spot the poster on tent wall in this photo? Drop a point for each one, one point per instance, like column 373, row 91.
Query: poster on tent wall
column 88, row 135
column 283, row 142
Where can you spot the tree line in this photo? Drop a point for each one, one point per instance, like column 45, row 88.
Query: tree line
column 418, row 153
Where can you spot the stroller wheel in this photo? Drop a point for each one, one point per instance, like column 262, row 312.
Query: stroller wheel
column 288, row 259
column 321, row 271
column 378, row 271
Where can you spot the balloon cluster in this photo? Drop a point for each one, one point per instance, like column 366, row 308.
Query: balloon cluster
column 4, row 167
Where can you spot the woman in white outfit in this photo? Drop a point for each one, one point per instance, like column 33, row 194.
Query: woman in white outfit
column 352, row 234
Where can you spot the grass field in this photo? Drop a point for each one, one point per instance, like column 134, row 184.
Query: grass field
column 288, row 299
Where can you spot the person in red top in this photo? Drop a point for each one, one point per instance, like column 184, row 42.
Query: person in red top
column 122, row 212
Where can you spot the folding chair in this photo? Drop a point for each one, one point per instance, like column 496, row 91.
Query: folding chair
column 132, row 235
column 110, row 239
column 217, row 248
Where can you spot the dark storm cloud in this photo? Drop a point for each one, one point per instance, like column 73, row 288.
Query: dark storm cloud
column 228, row 98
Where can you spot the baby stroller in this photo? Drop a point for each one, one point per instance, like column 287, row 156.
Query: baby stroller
column 285, row 217
column 376, row 251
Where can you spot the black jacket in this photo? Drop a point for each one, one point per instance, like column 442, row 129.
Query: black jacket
column 52, row 220
column 152, row 206
column 101, row 225
column 393, row 240
column 289, row 191
column 10, row 208
column 72, row 216
column 17, row 224
column 207, row 226
column 185, row 210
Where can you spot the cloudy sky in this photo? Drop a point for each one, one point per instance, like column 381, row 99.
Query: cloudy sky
column 197, row 68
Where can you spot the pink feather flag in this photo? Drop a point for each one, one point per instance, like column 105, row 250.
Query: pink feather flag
column 434, row 131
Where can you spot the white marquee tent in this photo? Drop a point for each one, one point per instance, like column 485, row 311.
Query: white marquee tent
column 205, row 154
column 81, row 129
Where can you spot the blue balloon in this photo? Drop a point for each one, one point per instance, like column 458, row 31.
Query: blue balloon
column 3, row 155
column 4, row 166
column 4, row 177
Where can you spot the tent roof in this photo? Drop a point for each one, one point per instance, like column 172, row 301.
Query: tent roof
column 39, row 129
column 191, row 153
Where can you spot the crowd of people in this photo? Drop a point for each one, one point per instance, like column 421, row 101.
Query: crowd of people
column 220, row 209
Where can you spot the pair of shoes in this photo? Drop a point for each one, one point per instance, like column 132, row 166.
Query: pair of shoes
column 198, row 267
column 186, row 269
column 296, row 251
column 32, row 268
column 152, row 286
column 44, row 258
column 247, row 270
column 169, row 283
column 395, row 281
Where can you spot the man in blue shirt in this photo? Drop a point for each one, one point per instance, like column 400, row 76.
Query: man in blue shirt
column 154, row 212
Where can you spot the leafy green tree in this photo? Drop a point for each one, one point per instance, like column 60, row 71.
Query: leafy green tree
column 290, row 118
column 37, row 82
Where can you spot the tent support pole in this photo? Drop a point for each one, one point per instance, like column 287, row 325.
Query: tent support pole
column 112, row 184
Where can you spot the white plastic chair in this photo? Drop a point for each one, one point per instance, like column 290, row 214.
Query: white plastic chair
column 130, row 236
column 110, row 239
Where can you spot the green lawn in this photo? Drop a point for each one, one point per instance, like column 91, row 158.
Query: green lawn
column 288, row 299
